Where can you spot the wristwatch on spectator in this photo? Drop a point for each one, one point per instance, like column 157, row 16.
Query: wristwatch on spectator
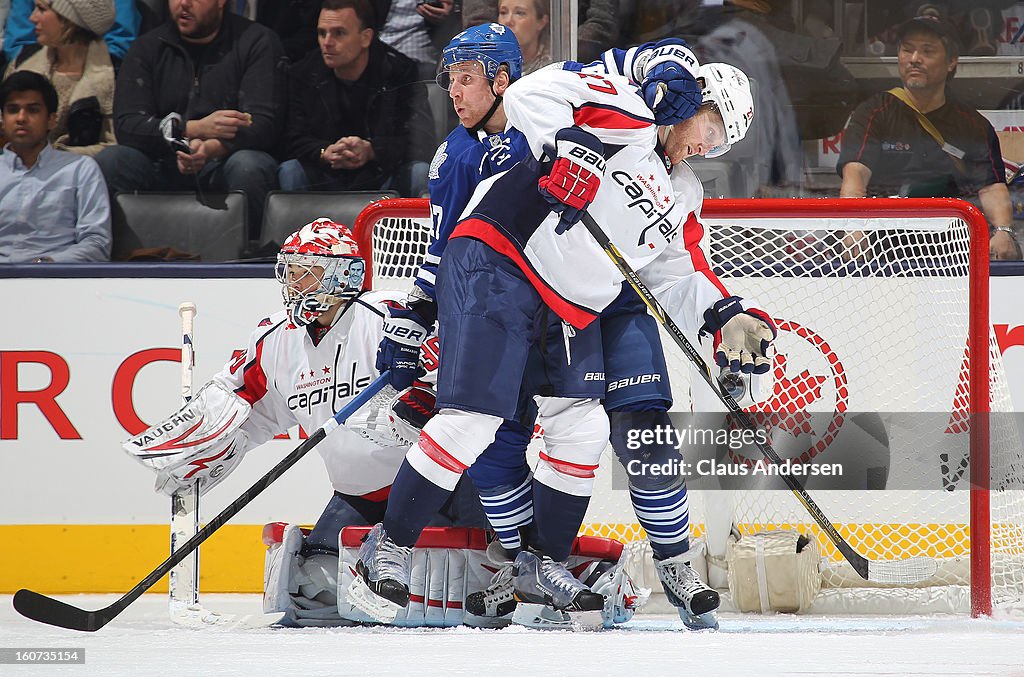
column 992, row 230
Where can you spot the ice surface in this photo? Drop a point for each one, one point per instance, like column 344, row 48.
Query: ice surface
column 143, row 641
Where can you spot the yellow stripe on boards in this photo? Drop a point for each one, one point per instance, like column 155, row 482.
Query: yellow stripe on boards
column 87, row 558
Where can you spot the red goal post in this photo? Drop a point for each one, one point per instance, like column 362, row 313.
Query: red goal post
column 829, row 268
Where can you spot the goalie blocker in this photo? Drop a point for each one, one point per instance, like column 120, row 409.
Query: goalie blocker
column 448, row 565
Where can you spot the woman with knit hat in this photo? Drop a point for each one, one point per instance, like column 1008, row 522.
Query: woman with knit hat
column 72, row 55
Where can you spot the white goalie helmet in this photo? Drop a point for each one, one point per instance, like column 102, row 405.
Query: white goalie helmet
column 728, row 88
column 326, row 256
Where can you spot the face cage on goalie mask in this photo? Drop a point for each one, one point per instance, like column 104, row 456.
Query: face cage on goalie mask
column 341, row 278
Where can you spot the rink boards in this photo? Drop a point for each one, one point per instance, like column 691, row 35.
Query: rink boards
column 86, row 361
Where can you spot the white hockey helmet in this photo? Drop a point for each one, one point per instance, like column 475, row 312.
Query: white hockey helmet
column 327, row 252
column 728, row 88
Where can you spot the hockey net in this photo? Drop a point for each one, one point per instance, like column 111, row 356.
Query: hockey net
column 877, row 302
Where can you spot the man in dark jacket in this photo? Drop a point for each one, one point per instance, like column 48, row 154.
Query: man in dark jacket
column 358, row 118
column 209, row 81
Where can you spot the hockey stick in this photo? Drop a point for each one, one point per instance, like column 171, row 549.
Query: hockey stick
column 54, row 612
column 905, row 571
column 183, row 579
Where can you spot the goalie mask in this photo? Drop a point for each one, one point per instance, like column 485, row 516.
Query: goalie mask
column 318, row 266
column 727, row 88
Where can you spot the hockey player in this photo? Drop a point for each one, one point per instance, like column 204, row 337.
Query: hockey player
column 302, row 364
column 660, row 504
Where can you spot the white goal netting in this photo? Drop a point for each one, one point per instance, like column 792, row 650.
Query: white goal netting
column 877, row 302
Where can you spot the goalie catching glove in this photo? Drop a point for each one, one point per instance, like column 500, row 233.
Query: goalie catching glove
column 741, row 335
column 575, row 176
column 405, row 329
column 393, row 418
column 200, row 444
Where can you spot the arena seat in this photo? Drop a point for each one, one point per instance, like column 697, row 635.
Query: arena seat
column 286, row 212
column 211, row 226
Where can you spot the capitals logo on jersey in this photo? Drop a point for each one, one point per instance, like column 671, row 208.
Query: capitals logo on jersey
column 654, row 201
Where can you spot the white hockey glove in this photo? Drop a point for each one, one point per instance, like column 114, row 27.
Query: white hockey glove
column 393, row 418
column 742, row 335
column 200, row 444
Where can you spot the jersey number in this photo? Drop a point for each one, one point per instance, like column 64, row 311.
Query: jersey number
column 602, row 85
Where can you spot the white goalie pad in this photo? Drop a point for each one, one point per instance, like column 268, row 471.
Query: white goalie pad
column 280, row 566
column 448, row 564
column 451, row 563
column 304, row 589
column 200, row 444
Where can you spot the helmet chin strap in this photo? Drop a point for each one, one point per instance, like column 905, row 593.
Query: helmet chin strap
column 487, row 116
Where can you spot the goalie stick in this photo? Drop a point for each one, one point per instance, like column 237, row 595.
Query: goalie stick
column 904, row 571
column 54, row 612
column 183, row 579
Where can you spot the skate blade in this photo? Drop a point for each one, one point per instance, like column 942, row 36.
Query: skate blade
column 543, row 617
column 493, row 622
column 370, row 603
column 701, row 623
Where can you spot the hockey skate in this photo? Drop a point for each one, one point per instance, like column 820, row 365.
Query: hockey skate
column 692, row 598
column 493, row 606
column 381, row 587
column 549, row 597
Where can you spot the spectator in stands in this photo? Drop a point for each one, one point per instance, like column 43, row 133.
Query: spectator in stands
column 53, row 204
column 357, row 114
column 918, row 141
column 598, row 24
column 73, row 56
column 119, row 35
column 210, row 79
column 5, row 7
column 408, row 29
column 529, row 20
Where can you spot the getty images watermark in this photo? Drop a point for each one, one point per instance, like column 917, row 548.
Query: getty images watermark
column 733, row 439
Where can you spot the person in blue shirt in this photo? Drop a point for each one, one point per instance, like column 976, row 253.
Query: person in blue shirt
column 19, row 31
column 53, row 204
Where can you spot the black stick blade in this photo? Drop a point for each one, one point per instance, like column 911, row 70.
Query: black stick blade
column 54, row 612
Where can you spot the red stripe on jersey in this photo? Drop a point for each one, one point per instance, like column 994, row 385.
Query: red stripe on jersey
column 478, row 229
column 435, row 453
column 379, row 495
column 567, row 468
column 693, row 231
column 597, row 116
column 254, row 381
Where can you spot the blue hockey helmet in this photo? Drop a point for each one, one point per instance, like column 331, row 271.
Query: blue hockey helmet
column 491, row 44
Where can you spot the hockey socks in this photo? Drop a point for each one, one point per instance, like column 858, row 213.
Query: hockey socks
column 413, row 502
column 502, row 477
column 558, row 517
column 660, row 501
column 665, row 516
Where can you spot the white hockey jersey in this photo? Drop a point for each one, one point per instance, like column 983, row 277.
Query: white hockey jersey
column 653, row 219
column 288, row 380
